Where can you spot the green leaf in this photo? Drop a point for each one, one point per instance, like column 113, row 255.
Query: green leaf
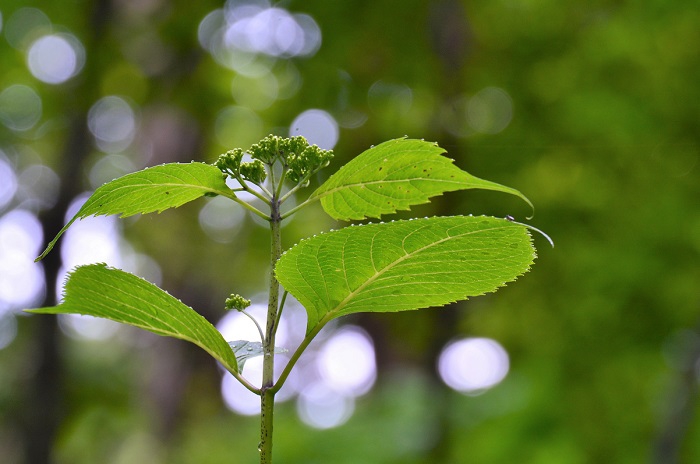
column 244, row 350
column 100, row 291
column 393, row 176
column 403, row 265
column 153, row 189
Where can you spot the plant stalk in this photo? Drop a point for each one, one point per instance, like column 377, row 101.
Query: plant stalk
column 267, row 394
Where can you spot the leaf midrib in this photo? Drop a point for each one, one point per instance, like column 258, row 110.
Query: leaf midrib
column 115, row 190
column 361, row 184
column 339, row 307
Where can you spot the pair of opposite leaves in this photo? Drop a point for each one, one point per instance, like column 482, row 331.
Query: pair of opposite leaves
column 381, row 267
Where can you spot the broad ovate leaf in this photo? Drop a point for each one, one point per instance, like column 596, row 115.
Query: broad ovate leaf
column 403, row 265
column 153, row 189
column 393, row 176
column 101, row 291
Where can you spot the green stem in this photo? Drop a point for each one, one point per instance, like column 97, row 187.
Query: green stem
column 298, row 207
column 245, row 382
column 249, row 207
column 302, row 182
column 247, row 188
column 279, row 312
column 264, row 191
column 260, row 331
column 281, row 183
column 267, row 394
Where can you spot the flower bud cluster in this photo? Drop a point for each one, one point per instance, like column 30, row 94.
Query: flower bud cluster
column 236, row 302
column 231, row 163
column 303, row 163
column 294, row 153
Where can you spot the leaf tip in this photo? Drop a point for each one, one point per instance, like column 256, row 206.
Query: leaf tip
column 533, row 228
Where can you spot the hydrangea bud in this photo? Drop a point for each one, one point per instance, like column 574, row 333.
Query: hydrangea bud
column 230, row 162
column 236, row 302
column 254, row 171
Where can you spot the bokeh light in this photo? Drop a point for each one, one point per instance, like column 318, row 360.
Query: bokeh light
column 20, row 107
column 289, row 80
column 55, row 58
column 221, row 219
column 318, row 126
column 384, row 96
column 290, row 332
column 238, row 398
column 21, row 279
column 236, row 326
column 255, row 93
column 322, row 407
column 112, row 122
column 473, row 365
column 83, row 327
column 91, row 240
column 346, row 361
column 237, row 126
column 256, row 27
column 270, row 30
column 336, row 367
column 26, row 25
column 8, row 329
column 8, row 182
column 38, row 187
column 490, row 110
column 109, row 167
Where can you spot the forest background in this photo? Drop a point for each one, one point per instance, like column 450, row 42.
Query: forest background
column 592, row 109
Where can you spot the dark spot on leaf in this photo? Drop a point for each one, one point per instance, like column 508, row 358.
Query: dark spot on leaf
column 167, row 193
column 381, row 167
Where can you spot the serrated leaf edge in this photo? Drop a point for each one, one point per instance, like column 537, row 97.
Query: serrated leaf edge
column 330, row 315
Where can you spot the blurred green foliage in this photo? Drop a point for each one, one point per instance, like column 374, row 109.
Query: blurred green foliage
column 602, row 334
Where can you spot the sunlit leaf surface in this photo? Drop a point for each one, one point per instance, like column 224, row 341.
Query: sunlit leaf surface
column 100, row 291
column 403, row 265
column 151, row 190
column 393, row 176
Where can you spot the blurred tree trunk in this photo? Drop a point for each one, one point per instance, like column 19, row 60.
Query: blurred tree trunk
column 682, row 402
column 452, row 41
column 43, row 409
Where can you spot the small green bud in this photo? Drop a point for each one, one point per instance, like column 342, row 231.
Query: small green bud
column 310, row 160
column 254, row 171
column 295, row 145
column 236, row 302
column 267, row 149
column 230, row 162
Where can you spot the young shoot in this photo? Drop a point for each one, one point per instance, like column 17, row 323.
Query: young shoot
column 374, row 267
